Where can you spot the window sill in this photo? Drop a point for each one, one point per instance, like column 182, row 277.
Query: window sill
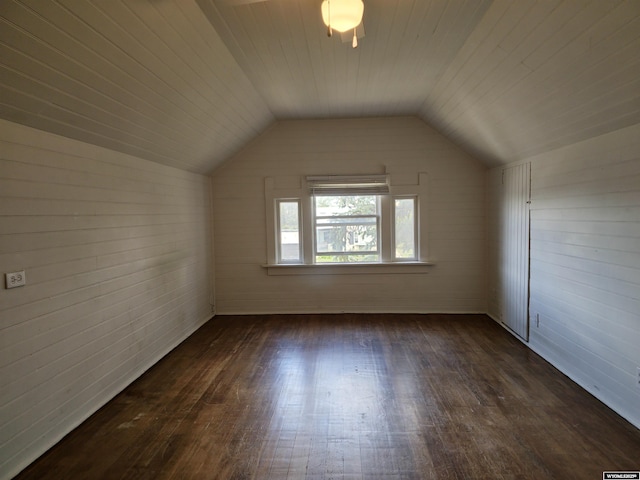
column 347, row 269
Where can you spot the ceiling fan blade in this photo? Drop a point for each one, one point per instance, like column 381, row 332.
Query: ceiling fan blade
column 347, row 37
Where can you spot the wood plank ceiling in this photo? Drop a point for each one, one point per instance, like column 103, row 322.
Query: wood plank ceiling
column 189, row 82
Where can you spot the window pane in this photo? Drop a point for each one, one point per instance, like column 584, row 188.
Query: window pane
column 346, row 229
column 405, row 237
column 289, row 231
column 346, row 238
column 346, row 205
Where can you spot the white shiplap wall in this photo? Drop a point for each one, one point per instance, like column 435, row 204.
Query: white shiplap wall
column 585, row 265
column 405, row 146
column 117, row 254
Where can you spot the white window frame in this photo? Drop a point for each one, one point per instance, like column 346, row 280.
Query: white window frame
column 295, row 188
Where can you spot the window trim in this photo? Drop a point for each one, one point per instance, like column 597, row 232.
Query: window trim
column 294, row 187
column 363, row 268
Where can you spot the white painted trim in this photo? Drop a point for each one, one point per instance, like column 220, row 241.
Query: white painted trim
column 629, row 415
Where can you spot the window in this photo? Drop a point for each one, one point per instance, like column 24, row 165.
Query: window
column 345, row 220
column 289, row 241
column 347, row 228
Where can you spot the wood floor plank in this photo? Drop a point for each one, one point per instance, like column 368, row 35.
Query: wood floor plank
column 348, row 397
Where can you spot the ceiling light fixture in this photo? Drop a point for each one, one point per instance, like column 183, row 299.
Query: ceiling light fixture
column 342, row 15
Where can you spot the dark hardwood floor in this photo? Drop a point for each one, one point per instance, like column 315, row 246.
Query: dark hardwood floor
column 348, row 397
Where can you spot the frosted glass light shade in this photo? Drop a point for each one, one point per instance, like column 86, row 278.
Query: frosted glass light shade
column 342, row 15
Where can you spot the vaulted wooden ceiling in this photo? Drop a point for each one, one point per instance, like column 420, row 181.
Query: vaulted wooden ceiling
column 188, row 83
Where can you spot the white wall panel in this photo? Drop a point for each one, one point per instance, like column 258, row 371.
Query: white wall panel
column 403, row 145
column 151, row 79
column 117, row 255
column 585, row 264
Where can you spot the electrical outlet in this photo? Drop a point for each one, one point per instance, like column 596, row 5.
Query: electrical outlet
column 638, row 378
column 537, row 320
column 15, row 279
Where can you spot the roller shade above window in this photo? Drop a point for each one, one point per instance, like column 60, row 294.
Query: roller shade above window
column 348, row 185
